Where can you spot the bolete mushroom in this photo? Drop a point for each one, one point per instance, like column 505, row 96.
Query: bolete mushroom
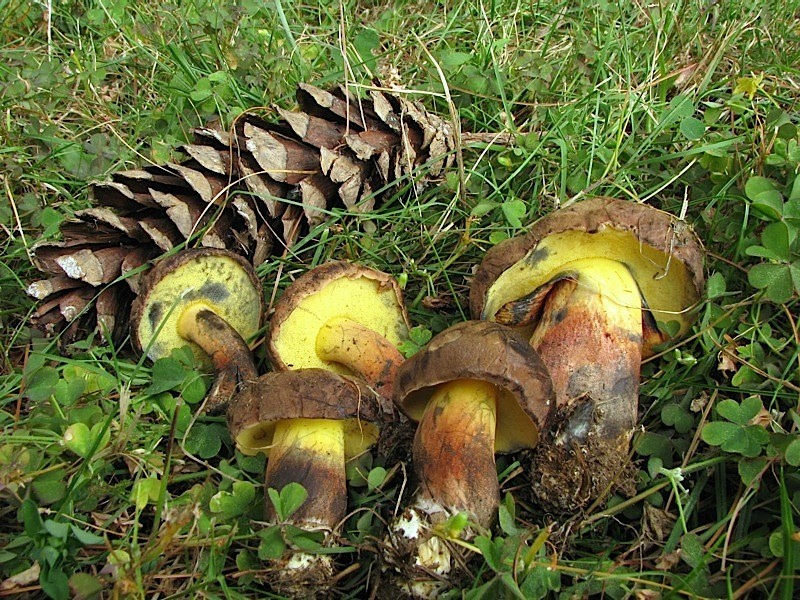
column 309, row 423
column 597, row 285
column 209, row 299
column 476, row 389
column 344, row 317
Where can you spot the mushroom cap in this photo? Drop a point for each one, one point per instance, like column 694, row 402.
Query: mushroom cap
column 484, row 351
column 662, row 253
column 334, row 289
column 216, row 279
column 303, row 394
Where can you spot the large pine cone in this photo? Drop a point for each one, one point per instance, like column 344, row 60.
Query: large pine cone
column 251, row 190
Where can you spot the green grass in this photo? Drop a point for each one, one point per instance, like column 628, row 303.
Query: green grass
column 685, row 105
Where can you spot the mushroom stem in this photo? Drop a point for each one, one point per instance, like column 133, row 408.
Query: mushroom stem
column 454, row 450
column 362, row 350
column 230, row 354
column 590, row 338
column 310, row 452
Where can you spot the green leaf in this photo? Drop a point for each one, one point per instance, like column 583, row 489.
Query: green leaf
column 794, row 273
column 168, row 374
column 677, row 417
column 716, row 286
column 792, row 452
column 693, row 552
column 514, row 210
column 794, row 194
column 740, row 413
column 272, row 545
column 308, row 541
column 235, row 502
column 85, row 586
column 202, row 90
column 776, row 543
column 483, row 207
column 757, row 185
column 194, row 389
column 78, row 439
column 750, row 468
column 144, row 491
column 376, row 478
column 450, row 60
column 86, row 538
column 506, row 521
column 292, row 497
column 775, row 237
column 497, row 236
column 489, row 552
column 54, row 583
column 776, row 281
column 692, row 129
column 680, row 107
column 50, row 487
column 67, row 392
column 366, row 43
column 275, row 499
column 204, row 441
column 747, row 441
column 41, row 384
column 56, row 529
column 764, row 194
column 420, row 335
column 540, row 582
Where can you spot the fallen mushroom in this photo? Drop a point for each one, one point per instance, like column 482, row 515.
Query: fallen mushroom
column 343, row 317
column 596, row 285
column 209, row 299
column 309, row 423
column 476, row 389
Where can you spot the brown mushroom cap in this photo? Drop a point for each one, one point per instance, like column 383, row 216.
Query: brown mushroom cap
column 303, row 394
column 662, row 253
column 333, row 290
column 211, row 278
column 485, row 351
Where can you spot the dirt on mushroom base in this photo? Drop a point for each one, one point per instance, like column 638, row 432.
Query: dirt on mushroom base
column 565, row 479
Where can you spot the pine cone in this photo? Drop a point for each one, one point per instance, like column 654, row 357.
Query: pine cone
column 251, row 190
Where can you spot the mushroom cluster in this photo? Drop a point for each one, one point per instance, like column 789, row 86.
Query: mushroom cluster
column 563, row 317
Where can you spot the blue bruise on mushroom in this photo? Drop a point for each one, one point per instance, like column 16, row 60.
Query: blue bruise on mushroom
column 577, row 425
column 214, row 292
column 155, row 314
column 537, row 255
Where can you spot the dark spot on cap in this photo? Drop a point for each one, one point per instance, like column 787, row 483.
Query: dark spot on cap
column 155, row 314
column 538, row 255
column 214, row 292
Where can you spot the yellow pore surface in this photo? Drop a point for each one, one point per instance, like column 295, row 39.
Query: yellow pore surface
column 213, row 282
column 606, row 287
column 665, row 283
column 361, row 300
column 326, row 436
